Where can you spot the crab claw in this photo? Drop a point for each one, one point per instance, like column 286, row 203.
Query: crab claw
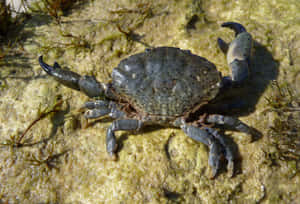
column 66, row 77
column 238, row 28
column 87, row 84
column 238, row 52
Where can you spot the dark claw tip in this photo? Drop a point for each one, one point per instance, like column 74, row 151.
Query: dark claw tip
column 41, row 60
column 56, row 65
column 223, row 45
column 45, row 66
column 238, row 28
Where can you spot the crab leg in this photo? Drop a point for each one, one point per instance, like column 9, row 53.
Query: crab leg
column 231, row 122
column 123, row 124
column 87, row 84
column 215, row 148
column 100, row 108
column 238, row 52
column 96, row 109
column 229, row 154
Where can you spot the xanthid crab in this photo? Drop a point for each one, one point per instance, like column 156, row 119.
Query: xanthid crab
column 165, row 86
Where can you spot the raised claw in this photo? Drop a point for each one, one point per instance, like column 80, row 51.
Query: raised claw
column 230, row 168
column 86, row 84
column 238, row 28
column 238, row 52
column 66, row 77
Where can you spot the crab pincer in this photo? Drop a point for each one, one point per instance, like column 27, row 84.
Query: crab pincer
column 238, row 52
column 87, row 84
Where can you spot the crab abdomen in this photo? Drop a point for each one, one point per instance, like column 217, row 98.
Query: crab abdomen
column 165, row 81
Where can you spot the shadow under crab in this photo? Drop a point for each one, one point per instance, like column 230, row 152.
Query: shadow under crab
column 167, row 86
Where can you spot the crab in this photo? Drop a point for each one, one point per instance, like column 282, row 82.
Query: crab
column 167, row 86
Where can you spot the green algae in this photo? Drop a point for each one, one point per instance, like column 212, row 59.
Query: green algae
column 70, row 163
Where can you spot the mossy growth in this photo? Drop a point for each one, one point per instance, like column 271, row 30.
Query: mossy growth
column 46, row 158
column 68, row 41
column 284, row 133
column 195, row 15
column 53, row 8
column 129, row 19
column 20, row 140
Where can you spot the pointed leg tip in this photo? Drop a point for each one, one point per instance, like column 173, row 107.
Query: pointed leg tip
column 214, row 171
column 112, row 151
column 113, row 156
column 230, row 169
column 213, row 174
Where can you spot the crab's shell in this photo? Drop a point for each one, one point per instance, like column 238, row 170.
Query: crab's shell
column 166, row 81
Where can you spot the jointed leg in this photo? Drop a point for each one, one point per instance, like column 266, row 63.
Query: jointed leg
column 96, row 109
column 123, row 124
column 229, row 154
column 232, row 122
column 100, row 108
column 203, row 136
